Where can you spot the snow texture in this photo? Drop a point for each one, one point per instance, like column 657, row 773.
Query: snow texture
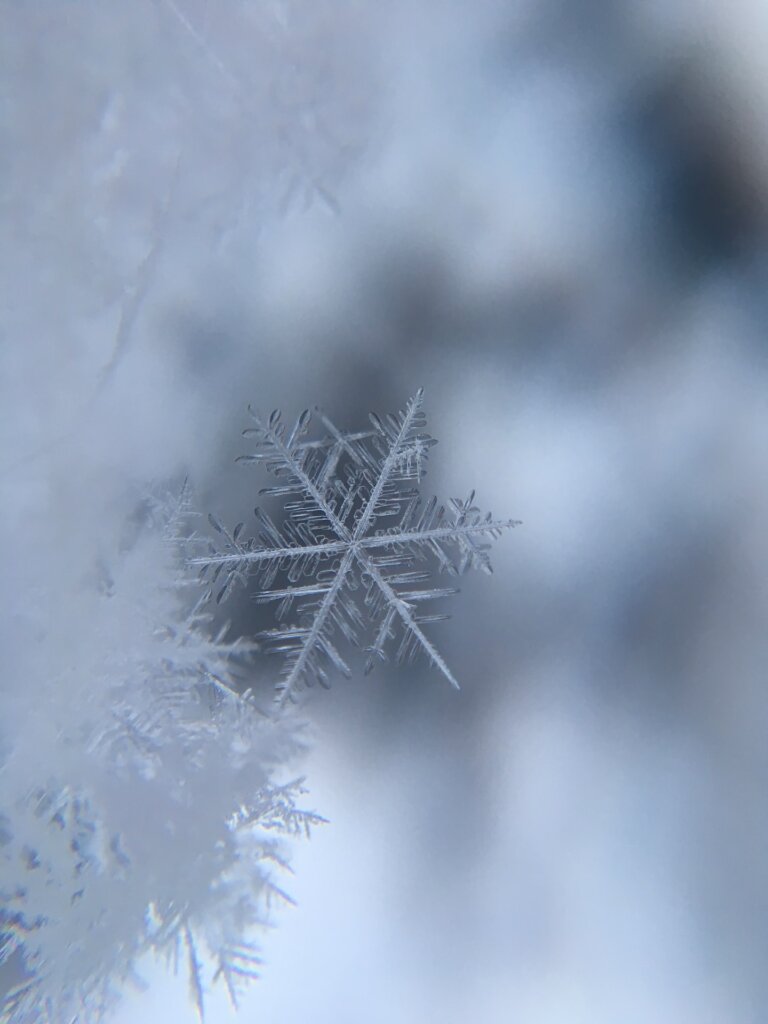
column 356, row 545
column 150, row 819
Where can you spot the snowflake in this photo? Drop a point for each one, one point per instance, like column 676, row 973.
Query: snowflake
column 151, row 813
column 355, row 547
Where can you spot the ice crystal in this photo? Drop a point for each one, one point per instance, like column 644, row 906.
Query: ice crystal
column 354, row 555
column 143, row 810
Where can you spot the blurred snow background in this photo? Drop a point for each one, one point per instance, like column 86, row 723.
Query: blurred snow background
column 553, row 217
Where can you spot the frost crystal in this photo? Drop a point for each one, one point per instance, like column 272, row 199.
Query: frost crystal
column 145, row 806
column 353, row 557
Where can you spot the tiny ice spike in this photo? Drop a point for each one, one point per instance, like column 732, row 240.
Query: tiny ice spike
column 352, row 559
